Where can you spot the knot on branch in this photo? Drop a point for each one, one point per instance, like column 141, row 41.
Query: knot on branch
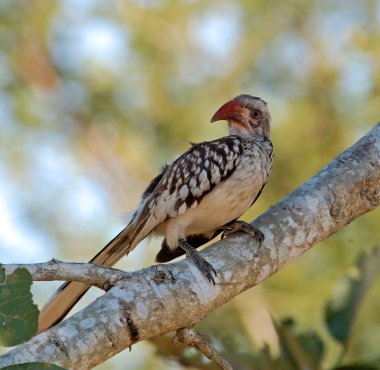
column 370, row 192
column 58, row 343
column 162, row 275
column 125, row 319
column 335, row 210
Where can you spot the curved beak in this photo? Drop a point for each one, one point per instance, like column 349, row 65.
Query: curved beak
column 228, row 111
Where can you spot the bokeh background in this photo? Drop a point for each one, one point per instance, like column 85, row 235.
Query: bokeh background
column 96, row 95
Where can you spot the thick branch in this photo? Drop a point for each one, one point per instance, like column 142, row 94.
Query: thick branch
column 99, row 276
column 167, row 297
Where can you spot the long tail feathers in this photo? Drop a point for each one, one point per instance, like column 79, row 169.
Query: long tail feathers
column 70, row 292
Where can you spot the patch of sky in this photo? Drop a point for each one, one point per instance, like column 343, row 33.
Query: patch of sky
column 56, row 168
column 79, row 8
column 215, row 33
column 18, row 241
column 357, row 75
column 335, row 26
column 295, row 54
column 96, row 41
column 7, row 118
column 151, row 4
column 290, row 60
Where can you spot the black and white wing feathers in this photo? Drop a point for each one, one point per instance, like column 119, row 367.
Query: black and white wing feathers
column 193, row 175
column 185, row 182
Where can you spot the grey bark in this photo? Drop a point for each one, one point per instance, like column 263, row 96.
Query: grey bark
column 100, row 276
column 163, row 298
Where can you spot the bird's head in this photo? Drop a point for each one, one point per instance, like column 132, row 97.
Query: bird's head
column 247, row 116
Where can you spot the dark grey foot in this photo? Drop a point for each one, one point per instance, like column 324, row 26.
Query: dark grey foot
column 244, row 227
column 205, row 267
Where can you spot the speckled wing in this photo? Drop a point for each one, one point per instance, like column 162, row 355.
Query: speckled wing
column 187, row 180
column 193, row 175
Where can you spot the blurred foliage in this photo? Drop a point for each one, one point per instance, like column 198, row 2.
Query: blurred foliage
column 96, row 95
column 18, row 313
column 342, row 310
column 298, row 351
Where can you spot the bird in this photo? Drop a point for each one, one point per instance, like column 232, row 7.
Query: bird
column 200, row 195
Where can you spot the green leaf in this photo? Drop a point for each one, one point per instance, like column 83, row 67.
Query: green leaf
column 343, row 307
column 33, row 366
column 304, row 350
column 18, row 313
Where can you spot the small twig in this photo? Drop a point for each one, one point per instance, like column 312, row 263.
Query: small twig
column 89, row 273
column 190, row 337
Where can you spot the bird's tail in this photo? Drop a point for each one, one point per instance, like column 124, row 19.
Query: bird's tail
column 70, row 292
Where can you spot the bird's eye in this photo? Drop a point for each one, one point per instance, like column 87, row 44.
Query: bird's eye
column 256, row 114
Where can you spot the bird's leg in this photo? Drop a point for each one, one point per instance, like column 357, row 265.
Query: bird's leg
column 204, row 266
column 238, row 225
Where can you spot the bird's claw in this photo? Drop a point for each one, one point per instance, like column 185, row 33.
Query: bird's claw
column 206, row 268
column 244, row 227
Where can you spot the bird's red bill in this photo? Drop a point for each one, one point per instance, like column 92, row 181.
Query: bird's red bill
column 230, row 110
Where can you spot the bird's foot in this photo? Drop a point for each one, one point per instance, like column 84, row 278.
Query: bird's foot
column 238, row 225
column 205, row 267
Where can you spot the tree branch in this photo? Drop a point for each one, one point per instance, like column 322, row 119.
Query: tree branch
column 190, row 337
column 163, row 298
column 88, row 273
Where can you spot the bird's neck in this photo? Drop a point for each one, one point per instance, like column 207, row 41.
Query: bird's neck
column 260, row 133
